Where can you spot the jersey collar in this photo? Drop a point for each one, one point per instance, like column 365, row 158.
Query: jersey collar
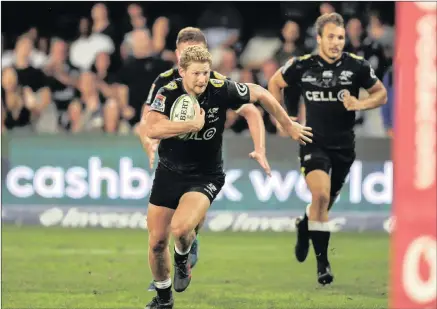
column 325, row 64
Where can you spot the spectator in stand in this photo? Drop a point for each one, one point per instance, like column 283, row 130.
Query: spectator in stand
column 62, row 76
column 104, row 79
column 368, row 48
column 36, row 85
column 137, row 76
column 17, row 104
column 289, row 48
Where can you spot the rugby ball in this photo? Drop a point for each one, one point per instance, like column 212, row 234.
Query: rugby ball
column 183, row 110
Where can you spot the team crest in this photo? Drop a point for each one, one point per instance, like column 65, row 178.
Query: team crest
column 159, row 103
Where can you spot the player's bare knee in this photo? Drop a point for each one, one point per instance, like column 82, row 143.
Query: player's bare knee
column 180, row 230
column 158, row 246
column 320, row 200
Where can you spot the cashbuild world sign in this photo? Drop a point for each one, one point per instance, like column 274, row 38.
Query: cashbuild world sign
column 113, row 171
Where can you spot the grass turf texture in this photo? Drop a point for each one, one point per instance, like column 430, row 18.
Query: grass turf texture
column 96, row 268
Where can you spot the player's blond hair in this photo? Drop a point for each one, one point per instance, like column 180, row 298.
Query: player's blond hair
column 328, row 18
column 194, row 53
column 191, row 34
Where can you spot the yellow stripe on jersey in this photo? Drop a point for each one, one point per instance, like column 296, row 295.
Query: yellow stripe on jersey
column 167, row 73
column 171, row 86
column 217, row 75
column 355, row 56
column 304, row 57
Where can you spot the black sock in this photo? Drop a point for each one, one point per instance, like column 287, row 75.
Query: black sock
column 180, row 258
column 164, row 293
column 320, row 239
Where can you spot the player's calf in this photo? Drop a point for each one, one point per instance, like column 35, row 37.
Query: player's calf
column 193, row 258
column 303, row 240
column 319, row 230
column 182, row 271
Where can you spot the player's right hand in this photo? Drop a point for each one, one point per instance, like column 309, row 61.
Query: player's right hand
column 300, row 133
column 199, row 118
column 151, row 151
column 150, row 145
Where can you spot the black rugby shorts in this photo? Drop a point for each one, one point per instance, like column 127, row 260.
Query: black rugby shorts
column 169, row 186
column 336, row 162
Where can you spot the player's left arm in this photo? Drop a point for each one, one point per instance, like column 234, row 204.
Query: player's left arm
column 256, row 126
column 294, row 129
column 238, row 96
column 377, row 96
column 369, row 81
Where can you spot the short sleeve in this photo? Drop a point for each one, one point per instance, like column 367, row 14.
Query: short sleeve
column 238, row 94
column 161, row 103
column 290, row 71
column 158, row 83
column 366, row 76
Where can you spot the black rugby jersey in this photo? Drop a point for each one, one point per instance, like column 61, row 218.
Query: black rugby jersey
column 200, row 152
column 323, row 86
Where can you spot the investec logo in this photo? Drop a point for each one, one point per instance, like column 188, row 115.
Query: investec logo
column 325, row 96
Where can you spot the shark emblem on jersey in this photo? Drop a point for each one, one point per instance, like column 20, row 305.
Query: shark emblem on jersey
column 212, row 114
column 345, row 77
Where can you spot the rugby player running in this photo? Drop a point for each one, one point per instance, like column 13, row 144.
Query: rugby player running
column 191, row 36
column 190, row 170
column 330, row 83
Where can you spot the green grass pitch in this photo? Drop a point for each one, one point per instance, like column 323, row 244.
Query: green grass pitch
column 96, row 268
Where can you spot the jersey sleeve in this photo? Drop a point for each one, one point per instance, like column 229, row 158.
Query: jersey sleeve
column 217, row 75
column 238, row 94
column 366, row 76
column 162, row 102
column 290, row 71
column 157, row 84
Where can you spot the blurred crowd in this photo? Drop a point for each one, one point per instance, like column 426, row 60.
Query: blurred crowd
column 100, row 81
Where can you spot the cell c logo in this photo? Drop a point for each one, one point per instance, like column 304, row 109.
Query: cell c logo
column 208, row 134
column 416, row 287
column 340, row 95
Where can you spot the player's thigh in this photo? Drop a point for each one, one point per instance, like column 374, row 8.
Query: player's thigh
column 192, row 208
column 166, row 191
column 342, row 161
column 167, row 188
column 195, row 202
column 159, row 224
column 316, row 166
